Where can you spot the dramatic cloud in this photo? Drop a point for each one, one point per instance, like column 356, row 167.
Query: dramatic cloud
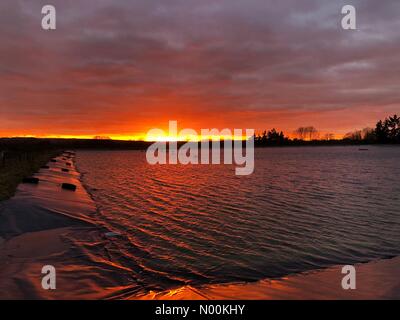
column 123, row 67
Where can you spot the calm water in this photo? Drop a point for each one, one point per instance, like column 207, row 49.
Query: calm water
column 302, row 209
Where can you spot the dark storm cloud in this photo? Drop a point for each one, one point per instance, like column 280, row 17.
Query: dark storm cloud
column 111, row 65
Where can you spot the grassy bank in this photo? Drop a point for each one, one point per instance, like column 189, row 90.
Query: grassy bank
column 17, row 164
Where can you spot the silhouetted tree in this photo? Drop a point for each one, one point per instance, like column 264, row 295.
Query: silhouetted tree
column 381, row 132
column 270, row 138
column 364, row 135
column 300, row 133
column 353, row 136
column 273, row 137
column 393, row 124
column 264, row 137
column 388, row 130
column 306, row 133
column 368, row 135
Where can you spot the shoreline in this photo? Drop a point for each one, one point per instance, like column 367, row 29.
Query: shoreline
column 37, row 226
column 376, row 279
column 109, row 144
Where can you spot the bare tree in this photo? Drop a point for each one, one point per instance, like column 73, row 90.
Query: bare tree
column 300, row 133
column 306, row 133
column 311, row 133
column 367, row 133
column 354, row 136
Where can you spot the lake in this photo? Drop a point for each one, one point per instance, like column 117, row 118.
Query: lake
column 302, row 209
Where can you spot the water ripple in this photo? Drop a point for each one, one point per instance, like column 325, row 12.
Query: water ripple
column 303, row 208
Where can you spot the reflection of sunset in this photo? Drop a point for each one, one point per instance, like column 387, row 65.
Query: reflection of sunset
column 375, row 279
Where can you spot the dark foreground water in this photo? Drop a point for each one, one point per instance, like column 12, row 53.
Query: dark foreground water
column 302, row 209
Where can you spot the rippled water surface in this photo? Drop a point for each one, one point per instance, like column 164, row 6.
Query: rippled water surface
column 302, row 209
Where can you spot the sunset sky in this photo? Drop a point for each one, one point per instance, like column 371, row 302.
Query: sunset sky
column 120, row 68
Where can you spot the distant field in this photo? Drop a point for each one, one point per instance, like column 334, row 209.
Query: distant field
column 14, row 165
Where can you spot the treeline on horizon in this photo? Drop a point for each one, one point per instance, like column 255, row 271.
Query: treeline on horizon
column 385, row 132
column 34, row 144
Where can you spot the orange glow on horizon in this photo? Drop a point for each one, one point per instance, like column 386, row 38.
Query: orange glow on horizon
column 161, row 137
column 192, row 138
column 142, row 137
